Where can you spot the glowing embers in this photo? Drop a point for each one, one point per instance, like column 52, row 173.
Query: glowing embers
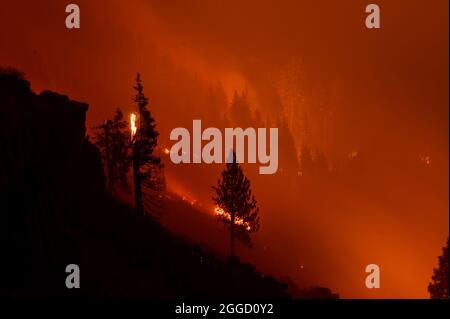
column 219, row 212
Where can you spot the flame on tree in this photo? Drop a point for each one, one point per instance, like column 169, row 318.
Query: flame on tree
column 133, row 125
column 234, row 196
column 147, row 167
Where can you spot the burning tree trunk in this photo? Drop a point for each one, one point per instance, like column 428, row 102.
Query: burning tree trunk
column 136, row 173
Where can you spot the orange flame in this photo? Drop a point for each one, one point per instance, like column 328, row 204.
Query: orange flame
column 133, row 125
column 237, row 220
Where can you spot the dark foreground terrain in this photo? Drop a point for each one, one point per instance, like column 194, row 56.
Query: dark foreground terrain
column 55, row 211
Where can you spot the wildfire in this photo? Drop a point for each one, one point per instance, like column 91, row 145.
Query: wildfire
column 221, row 213
column 237, row 220
column 353, row 154
column 133, row 125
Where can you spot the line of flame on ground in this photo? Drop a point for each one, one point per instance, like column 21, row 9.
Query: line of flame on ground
column 218, row 212
column 237, row 220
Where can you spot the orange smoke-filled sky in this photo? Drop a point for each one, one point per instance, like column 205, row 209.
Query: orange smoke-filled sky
column 387, row 89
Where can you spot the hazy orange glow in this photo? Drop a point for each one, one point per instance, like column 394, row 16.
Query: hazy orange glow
column 374, row 104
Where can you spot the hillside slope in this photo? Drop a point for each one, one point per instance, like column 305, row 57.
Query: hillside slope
column 56, row 212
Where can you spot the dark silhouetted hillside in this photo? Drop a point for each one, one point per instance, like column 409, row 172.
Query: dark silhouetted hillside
column 55, row 212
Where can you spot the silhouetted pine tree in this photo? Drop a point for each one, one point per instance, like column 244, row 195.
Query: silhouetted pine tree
column 235, row 197
column 113, row 141
column 438, row 288
column 147, row 166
